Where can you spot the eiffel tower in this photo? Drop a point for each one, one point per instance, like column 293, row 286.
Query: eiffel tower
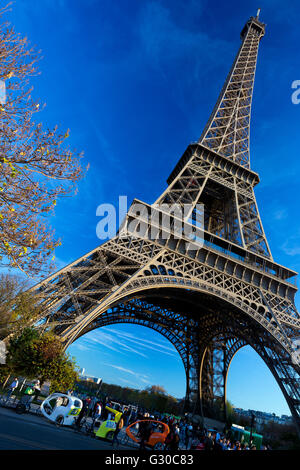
column 226, row 293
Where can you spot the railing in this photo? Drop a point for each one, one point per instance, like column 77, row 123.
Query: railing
column 292, row 280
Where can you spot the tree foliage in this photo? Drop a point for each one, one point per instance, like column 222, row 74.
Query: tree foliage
column 33, row 355
column 229, row 412
column 36, row 165
column 158, row 389
column 18, row 307
column 153, row 398
column 281, row 436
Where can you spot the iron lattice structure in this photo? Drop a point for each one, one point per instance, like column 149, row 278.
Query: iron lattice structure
column 213, row 300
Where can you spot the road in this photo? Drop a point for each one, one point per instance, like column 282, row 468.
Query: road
column 29, row 432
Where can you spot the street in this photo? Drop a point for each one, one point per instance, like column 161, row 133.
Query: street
column 30, row 432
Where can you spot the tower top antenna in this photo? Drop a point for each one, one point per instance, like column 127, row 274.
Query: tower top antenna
column 257, row 14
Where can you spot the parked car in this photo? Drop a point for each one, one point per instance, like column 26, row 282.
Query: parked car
column 61, row 408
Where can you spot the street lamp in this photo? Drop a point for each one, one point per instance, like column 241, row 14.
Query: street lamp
column 252, row 424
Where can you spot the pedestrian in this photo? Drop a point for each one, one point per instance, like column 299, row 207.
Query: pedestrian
column 92, row 404
column 145, row 433
column 108, row 414
column 172, row 439
column 88, row 403
column 201, row 443
column 208, row 442
column 12, row 387
column 82, row 413
column 126, row 416
column 28, row 396
column 120, row 425
column 97, row 412
column 177, row 432
column 104, row 412
column 188, row 436
column 215, row 441
column 36, row 389
column 133, row 415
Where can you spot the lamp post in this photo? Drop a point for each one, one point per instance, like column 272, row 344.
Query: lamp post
column 252, row 424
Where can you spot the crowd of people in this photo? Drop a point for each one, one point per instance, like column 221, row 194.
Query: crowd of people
column 183, row 434
column 97, row 410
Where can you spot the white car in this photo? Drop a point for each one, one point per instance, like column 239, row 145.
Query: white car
column 62, row 409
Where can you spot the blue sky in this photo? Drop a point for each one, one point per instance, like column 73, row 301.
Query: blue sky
column 135, row 81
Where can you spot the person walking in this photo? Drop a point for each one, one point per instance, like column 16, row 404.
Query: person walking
column 24, row 403
column 11, row 388
column 33, row 392
column 92, row 406
column 145, row 433
column 216, row 446
column 133, row 415
column 126, row 416
column 84, row 409
column 96, row 412
column 188, row 436
column 88, row 402
column 36, row 388
column 120, row 425
column 182, row 428
column 172, row 439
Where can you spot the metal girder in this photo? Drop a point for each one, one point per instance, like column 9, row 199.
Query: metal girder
column 227, row 130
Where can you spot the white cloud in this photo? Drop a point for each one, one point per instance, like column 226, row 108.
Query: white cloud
column 144, row 343
column 139, row 377
column 167, row 42
column 280, row 214
column 123, row 342
column 291, row 246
